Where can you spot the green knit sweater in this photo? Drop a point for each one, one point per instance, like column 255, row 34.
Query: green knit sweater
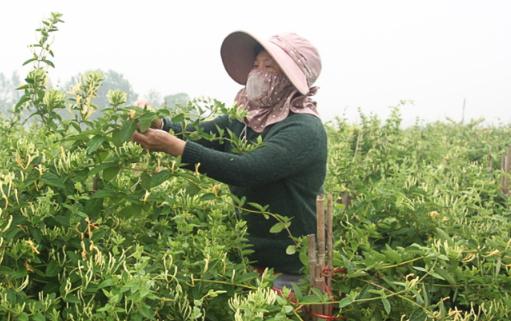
column 286, row 173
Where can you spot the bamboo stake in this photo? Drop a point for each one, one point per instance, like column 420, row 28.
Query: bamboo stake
column 312, row 257
column 320, row 233
column 329, row 244
column 319, row 282
column 329, row 233
column 506, row 164
column 312, row 266
column 320, row 250
column 320, row 236
column 507, row 168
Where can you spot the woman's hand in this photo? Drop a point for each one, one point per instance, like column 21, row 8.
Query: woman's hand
column 156, row 140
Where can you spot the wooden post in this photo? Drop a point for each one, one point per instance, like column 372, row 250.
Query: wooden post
column 320, row 250
column 312, row 268
column 506, row 166
column 320, row 229
column 320, row 237
column 329, row 234
column 507, row 169
column 312, row 257
column 329, row 245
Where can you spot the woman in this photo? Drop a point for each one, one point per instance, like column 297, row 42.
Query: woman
column 288, row 171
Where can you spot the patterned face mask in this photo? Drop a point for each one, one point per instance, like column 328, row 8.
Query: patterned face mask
column 266, row 88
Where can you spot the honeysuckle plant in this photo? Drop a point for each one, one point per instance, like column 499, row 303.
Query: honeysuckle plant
column 92, row 227
column 95, row 228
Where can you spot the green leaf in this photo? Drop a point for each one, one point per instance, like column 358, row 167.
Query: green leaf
column 257, row 206
column 297, row 291
column 311, row 298
column 71, row 298
column 52, row 269
column 106, row 283
column 36, row 234
column 145, row 121
column 123, row 134
column 442, row 234
column 303, row 255
column 277, row 228
column 95, row 143
column 29, row 61
column 39, row 317
column 447, row 276
column 22, row 101
column 147, row 313
column 386, row 305
column 192, row 189
column 436, row 276
column 419, row 268
column 246, row 277
column 132, row 210
column 62, row 220
column 93, row 207
column 101, row 167
column 288, row 309
column 345, row 302
column 208, row 197
column 419, row 315
column 145, row 181
column 54, row 180
column 110, row 173
column 49, row 63
column 102, row 193
column 178, row 118
column 22, row 317
column 290, row 250
column 160, row 177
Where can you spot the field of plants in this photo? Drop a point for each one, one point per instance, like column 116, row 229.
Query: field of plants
column 92, row 227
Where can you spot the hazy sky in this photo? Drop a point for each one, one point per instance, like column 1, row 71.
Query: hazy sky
column 374, row 53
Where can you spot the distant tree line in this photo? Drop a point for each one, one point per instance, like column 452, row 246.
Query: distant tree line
column 9, row 95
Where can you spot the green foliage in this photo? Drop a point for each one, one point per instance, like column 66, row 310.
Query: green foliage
column 94, row 228
column 35, row 96
column 426, row 235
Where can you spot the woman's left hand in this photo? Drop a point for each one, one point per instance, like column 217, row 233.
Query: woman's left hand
column 157, row 140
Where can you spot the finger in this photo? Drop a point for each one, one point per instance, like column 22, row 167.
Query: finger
column 150, row 133
column 139, row 138
column 142, row 140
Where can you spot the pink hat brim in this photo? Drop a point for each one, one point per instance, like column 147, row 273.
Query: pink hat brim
column 238, row 53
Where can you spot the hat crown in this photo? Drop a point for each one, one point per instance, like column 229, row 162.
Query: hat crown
column 302, row 52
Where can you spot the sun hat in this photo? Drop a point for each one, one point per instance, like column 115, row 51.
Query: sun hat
column 296, row 56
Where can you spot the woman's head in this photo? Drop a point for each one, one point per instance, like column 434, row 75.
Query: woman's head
column 278, row 75
column 295, row 56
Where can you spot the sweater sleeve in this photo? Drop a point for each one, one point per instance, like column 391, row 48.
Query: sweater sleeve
column 290, row 150
column 209, row 127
